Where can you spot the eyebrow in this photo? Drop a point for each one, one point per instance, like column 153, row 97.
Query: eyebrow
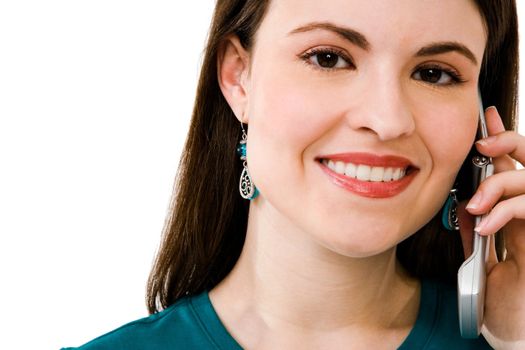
column 359, row 39
column 346, row 33
column 447, row 46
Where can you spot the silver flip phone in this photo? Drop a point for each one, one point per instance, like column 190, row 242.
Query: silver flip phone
column 472, row 273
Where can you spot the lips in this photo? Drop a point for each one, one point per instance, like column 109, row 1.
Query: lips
column 369, row 175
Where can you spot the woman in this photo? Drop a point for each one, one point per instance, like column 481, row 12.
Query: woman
column 360, row 117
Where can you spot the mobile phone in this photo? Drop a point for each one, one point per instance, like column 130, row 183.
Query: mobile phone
column 472, row 273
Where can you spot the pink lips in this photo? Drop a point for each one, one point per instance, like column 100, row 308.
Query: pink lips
column 368, row 188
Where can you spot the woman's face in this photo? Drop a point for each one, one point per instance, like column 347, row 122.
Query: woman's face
column 360, row 114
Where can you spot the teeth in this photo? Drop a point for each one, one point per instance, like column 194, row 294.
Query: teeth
column 387, row 175
column 376, row 174
column 365, row 172
column 340, row 167
column 397, row 174
column 350, row 170
column 331, row 165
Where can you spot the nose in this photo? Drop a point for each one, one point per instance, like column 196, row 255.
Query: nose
column 383, row 109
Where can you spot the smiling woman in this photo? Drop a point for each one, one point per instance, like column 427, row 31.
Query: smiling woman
column 353, row 121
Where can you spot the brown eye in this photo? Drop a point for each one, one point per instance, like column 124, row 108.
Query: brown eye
column 437, row 76
column 327, row 59
column 431, row 75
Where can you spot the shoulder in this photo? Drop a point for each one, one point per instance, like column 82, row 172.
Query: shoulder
column 437, row 325
column 177, row 327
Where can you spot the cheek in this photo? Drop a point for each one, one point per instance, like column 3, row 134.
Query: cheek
column 287, row 116
column 449, row 132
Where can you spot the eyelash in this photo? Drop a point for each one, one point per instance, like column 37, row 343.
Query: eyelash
column 455, row 76
column 318, row 51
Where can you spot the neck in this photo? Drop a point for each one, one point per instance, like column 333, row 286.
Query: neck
column 285, row 279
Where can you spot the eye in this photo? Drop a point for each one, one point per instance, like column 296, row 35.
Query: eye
column 327, row 59
column 437, row 75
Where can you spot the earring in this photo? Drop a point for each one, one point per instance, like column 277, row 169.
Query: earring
column 449, row 216
column 246, row 186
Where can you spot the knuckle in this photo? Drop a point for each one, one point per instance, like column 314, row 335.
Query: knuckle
column 499, row 209
column 493, row 186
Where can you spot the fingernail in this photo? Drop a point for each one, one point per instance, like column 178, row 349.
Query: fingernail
column 475, row 201
column 481, row 226
column 491, row 107
column 486, row 141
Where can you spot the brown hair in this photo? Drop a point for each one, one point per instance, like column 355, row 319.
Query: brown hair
column 206, row 226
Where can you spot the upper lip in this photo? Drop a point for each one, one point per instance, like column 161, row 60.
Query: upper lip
column 370, row 159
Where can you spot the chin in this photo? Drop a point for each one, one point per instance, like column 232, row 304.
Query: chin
column 363, row 245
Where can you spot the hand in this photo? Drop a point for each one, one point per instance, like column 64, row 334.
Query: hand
column 503, row 194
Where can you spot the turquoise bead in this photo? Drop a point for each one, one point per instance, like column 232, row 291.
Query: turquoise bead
column 241, row 149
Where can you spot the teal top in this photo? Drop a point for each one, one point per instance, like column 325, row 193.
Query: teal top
column 192, row 323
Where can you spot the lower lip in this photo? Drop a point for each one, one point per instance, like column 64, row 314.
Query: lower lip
column 370, row 189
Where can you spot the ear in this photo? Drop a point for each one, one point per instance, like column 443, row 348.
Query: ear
column 232, row 69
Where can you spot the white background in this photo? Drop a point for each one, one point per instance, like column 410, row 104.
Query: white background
column 95, row 101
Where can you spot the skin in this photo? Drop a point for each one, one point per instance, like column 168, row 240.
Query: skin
column 318, row 266
column 502, row 197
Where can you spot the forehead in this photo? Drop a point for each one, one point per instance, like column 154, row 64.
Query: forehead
column 383, row 22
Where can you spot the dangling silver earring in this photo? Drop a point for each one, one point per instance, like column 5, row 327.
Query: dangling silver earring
column 246, row 187
column 449, row 217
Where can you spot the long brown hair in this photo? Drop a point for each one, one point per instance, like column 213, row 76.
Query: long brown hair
column 206, row 226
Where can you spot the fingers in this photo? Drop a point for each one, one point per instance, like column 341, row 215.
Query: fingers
column 504, row 191
column 502, row 195
column 466, row 230
column 497, row 187
column 501, row 145
column 501, row 214
column 494, row 122
column 507, row 144
column 503, row 163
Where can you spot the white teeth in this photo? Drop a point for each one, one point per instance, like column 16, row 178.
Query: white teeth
column 331, row 165
column 387, row 176
column 376, row 174
column 397, row 174
column 340, row 167
column 365, row 172
column 350, row 170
